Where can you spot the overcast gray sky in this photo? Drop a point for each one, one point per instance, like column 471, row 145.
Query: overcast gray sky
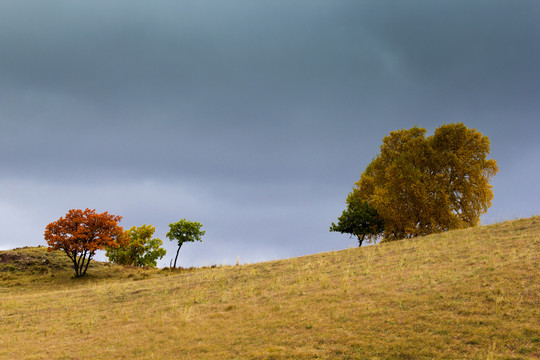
column 252, row 117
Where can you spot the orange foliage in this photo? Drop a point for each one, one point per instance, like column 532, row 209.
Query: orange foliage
column 81, row 233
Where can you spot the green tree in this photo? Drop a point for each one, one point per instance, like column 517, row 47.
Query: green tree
column 359, row 219
column 421, row 185
column 185, row 231
column 141, row 250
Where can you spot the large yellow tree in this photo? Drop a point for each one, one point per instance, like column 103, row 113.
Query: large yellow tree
column 421, row 185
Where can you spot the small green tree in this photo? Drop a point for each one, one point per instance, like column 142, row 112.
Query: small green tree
column 184, row 231
column 141, row 250
column 359, row 219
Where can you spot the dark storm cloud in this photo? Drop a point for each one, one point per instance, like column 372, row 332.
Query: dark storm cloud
column 254, row 117
column 168, row 64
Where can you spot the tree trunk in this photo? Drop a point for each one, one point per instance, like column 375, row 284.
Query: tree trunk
column 360, row 240
column 87, row 263
column 74, row 260
column 177, row 251
column 80, row 264
column 82, row 271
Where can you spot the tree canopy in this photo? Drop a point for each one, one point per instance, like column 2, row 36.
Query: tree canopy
column 184, row 231
column 358, row 219
column 81, row 233
column 140, row 250
column 421, row 185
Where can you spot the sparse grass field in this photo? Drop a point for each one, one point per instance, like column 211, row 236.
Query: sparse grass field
column 469, row 294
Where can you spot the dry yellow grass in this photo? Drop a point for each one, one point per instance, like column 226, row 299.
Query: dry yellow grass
column 468, row 294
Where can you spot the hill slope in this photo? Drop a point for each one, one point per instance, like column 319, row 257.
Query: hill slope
column 34, row 268
column 464, row 294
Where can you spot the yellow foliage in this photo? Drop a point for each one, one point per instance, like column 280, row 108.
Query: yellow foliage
column 423, row 185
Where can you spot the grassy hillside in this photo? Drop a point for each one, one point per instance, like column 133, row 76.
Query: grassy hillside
column 472, row 293
column 34, row 268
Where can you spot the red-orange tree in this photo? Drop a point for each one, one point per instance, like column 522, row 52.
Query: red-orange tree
column 81, row 232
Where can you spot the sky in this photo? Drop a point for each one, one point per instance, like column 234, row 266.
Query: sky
column 252, row 117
